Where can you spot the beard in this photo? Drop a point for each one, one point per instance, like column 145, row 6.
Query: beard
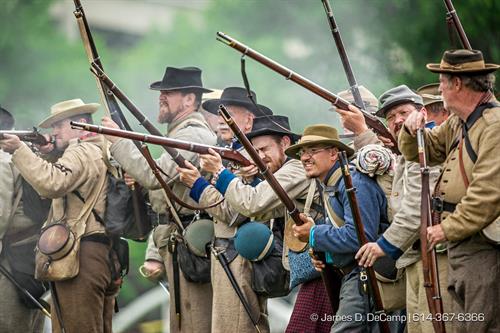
column 166, row 114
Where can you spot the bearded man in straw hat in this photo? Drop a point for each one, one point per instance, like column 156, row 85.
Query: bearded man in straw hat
column 84, row 301
column 467, row 196
column 180, row 97
column 270, row 135
column 317, row 150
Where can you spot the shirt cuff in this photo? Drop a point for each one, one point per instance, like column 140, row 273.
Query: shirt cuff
column 311, row 236
column 389, row 249
column 223, row 181
column 198, row 187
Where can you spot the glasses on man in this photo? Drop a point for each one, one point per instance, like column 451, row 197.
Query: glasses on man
column 310, row 152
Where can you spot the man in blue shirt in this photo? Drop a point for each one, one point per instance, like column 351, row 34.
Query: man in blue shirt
column 336, row 234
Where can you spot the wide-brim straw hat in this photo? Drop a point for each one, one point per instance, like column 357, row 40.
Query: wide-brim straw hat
column 462, row 61
column 318, row 135
column 67, row 109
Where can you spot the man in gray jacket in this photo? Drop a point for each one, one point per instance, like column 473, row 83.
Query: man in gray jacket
column 401, row 240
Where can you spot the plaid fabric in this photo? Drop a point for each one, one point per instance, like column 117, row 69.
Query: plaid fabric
column 311, row 306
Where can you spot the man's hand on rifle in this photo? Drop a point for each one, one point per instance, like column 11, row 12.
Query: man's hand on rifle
column 108, row 122
column 368, row 254
column 45, row 149
column 415, row 120
column 247, row 173
column 211, row 163
column 10, row 143
column 353, row 120
column 302, row 231
column 188, row 175
column 435, row 235
column 318, row 264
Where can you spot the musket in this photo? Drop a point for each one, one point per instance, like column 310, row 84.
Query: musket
column 343, row 55
column 29, row 136
column 452, row 16
column 38, row 303
column 366, row 273
column 109, row 101
column 372, row 121
column 225, row 153
column 221, row 257
column 429, row 258
column 330, row 278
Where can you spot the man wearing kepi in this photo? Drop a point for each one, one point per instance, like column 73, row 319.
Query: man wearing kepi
column 270, row 135
column 467, row 196
column 84, row 289
column 401, row 240
column 336, row 236
column 181, row 91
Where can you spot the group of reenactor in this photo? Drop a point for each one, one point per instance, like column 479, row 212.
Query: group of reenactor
column 216, row 285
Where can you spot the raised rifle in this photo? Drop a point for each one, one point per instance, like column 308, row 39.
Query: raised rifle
column 429, row 258
column 225, row 153
column 29, row 136
column 372, row 121
column 353, row 85
column 330, row 278
column 109, row 101
column 453, row 19
column 366, row 273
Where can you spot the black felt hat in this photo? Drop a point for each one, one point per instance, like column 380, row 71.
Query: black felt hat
column 6, row 120
column 239, row 97
column 272, row 125
column 179, row 79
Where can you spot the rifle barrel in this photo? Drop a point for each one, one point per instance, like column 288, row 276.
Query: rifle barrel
column 199, row 148
column 372, row 121
column 351, row 79
column 29, row 136
column 458, row 25
column 360, row 231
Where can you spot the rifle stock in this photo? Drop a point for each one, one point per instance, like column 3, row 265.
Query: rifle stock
column 429, row 259
column 29, row 136
column 330, row 278
column 372, row 121
column 453, row 17
column 225, row 153
column 360, row 231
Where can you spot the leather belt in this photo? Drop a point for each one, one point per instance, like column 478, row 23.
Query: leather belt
column 343, row 271
column 98, row 238
column 439, row 205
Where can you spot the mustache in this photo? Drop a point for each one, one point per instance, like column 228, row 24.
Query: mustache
column 223, row 127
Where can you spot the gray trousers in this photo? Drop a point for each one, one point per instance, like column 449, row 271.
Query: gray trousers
column 353, row 307
column 474, row 274
column 14, row 315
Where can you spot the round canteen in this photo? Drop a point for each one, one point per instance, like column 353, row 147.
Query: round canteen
column 198, row 234
column 254, row 241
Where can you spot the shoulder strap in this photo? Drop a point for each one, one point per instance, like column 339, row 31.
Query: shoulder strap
column 336, row 220
column 470, row 122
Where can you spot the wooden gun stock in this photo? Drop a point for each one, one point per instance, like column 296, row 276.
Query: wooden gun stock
column 225, row 153
column 372, row 121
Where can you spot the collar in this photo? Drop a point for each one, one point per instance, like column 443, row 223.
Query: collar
column 331, row 171
column 178, row 122
column 485, row 102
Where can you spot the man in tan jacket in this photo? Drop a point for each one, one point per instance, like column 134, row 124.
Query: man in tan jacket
column 181, row 91
column 270, row 136
column 86, row 301
column 467, row 195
